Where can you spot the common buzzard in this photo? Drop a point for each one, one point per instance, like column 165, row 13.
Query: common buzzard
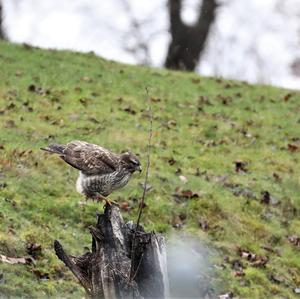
column 100, row 171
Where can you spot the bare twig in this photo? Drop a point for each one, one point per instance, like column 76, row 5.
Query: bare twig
column 132, row 274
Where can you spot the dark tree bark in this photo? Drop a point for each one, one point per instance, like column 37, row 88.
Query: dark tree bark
column 106, row 271
column 188, row 42
column 2, row 35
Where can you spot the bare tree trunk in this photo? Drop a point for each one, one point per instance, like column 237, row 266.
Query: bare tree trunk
column 2, row 34
column 106, row 271
column 188, row 41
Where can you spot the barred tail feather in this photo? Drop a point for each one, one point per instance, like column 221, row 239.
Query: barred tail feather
column 54, row 148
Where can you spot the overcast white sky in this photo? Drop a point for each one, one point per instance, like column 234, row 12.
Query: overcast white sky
column 253, row 40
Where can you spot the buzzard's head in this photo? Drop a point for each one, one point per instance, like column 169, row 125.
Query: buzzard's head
column 131, row 162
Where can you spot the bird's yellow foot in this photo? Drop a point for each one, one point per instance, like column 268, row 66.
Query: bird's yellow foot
column 107, row 200
column 110, row 202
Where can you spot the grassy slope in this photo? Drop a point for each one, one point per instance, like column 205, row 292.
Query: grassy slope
column 200, row 123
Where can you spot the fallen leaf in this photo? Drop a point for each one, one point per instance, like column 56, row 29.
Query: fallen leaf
column 10, row 124
column 178, row 171
column 171, row 124
column 266, row 197
column 187, row 193
column 249, row 256
column 85, row 101
column 237, row 265
column 18, row 73
column 269, row 249
column 129, row 110
column 203, row 224
column 240, row 166
column 176, row 221
column 10, row 106
column 228, row 85
column 78, row 89
column 239, row 273
column 38, row 90
column 182, row 216
column 204, row 100
column 16, row 260
column 59, row 273
column 86, row 79
column 294, row 239
column 40, row 275
column 276, row 278
column 183, row 179
column 93, row 120
column 277, row 178
column 225, row 100
column 31, row 87
column 27, row 46
column 287, row 97
column 184, row 194
column 293, row 148
column 34, row 249
column 255, row 260
column 155, row 100
column 200, row 173
column 172, row 161
column 261, row 261
column 196, row 80
column 3, row 185
column 95, row 94
column 124, row 206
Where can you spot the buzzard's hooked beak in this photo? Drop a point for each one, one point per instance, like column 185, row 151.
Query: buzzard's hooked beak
column 139, row 168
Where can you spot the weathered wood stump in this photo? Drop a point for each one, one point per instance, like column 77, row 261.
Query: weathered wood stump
column 106, row 271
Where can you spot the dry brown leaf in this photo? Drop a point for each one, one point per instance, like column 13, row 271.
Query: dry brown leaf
column 15, row 260
column 86, row 79
column 293, row 148
column 240, row 166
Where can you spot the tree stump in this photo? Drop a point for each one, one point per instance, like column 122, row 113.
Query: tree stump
column 106, row 271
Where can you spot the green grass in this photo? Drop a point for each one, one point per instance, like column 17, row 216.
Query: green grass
column 201, row 123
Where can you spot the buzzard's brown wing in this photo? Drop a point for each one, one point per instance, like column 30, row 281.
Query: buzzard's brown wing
column 90, row 158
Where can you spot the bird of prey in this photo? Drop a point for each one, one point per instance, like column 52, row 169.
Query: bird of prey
column 100, row 171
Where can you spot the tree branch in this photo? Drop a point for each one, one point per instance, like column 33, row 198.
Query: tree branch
column 71, row 264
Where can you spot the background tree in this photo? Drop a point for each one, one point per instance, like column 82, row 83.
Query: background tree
column 188, row 41
column 2, row 35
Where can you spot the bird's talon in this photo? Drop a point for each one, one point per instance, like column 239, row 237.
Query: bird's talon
column 110, row 202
